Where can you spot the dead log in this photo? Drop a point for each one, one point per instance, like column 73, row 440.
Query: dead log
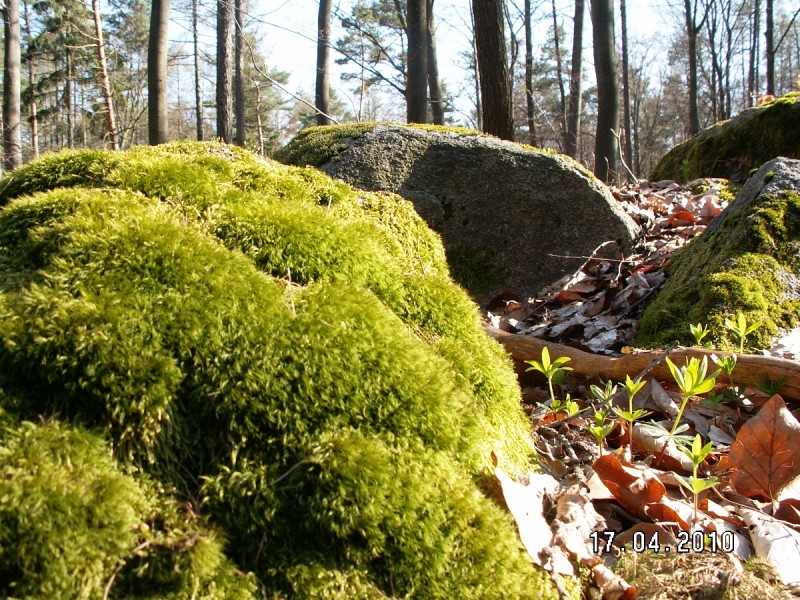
column 750, row 368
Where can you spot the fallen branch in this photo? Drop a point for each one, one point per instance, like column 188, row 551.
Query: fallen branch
column 750, row 368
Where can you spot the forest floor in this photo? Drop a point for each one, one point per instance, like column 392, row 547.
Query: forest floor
column 699, row 495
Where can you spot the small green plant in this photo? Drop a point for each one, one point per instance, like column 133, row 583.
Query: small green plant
column 770, row 386
column 568, row 406
column 727, row 363
column 740, row 328
column 552, row 370
column 631, row 416
column 699, row 332
column 600, row 428
column 697, row 454
column 605, row 394
column 692, row 380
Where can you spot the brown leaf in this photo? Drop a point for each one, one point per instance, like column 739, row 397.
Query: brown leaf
column 766, row 454
column 633, row 489
column 611, row 585
column 681, row 217
column 789, row 510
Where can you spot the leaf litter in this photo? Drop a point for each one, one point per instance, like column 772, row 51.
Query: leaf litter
column 622, row 512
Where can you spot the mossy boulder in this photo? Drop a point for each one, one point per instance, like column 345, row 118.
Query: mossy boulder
column 733, row 149
column 229, row 378
column 747, row 260
column 511, row 217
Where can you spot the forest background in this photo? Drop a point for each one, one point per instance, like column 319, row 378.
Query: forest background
column 743, row 49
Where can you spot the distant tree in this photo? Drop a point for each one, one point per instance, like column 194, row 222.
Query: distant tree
column 105, row 83
column 770, row 40
column 495, row 82
column 530, row 106
column 12, row 83
column 434, row 83
column 417, row 80
column 157, row 114
column 559, row 75
column 238, row 36
column 693, row 28
column 574, row 111
column 605, row 161
column 34, row 118
column 627, row 148
column 224, row 71
column 198, row 100
column 323, row 96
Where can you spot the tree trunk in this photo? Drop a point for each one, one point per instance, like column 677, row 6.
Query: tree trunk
column 770, row 42
column 224, row 71
column 239, row 73
column 559, row 75
column 104, row 81
column 417, row 79
column 323, row 97
column 12, row 86
column 198, row 100
column 68, row 99
column 626, row 89
column 32, row 84
column 434, row 83
column 530, row 105
column 574, row 114
column 605, row 161
column 752, row 75
column 691, row 31
column 495, row 84
column 157, row 115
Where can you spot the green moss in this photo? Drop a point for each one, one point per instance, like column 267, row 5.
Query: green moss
column 733, row 148
column 334, row 425
column 737, row 268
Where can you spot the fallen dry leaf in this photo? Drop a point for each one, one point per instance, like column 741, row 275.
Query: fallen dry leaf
column 789, row 510
column 766, row 454
column 776, row 543
column 575, row 521
column 633, row 489
column 654, row 441
column 612, row 586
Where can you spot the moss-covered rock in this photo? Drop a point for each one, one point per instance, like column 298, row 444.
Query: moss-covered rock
column 283, row 355
column 747, row 260
column 733, row 149
column 511, row 217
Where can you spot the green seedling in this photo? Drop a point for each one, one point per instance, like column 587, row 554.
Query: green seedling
column 552, row 370
column 692, row 380
column 726, row 364
column 568, row 406
column 770, row 386
column 740, row 328
column 605, row 394
column 699, row 332
column 601, row 428
column 713, row 400
column 697, row 454
column 631, row 416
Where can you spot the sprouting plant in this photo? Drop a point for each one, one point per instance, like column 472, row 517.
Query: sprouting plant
column 770, row 386
column 552, row 370
column 726, row 364
column 740, row 328
column 699, row 332
column 568, row 405
column 600, row 428
column 631, row 416
column 605, row 394
column 692, row 380
column 697, row 454
column 713, row 400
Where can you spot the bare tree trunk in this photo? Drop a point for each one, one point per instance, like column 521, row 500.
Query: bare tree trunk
column 476, row 75
column 529, row 102
column 692, row 29
column 574, row 114
column 239, row 72
column 559, row 73
column 770, row 41
column 104, row 81
column 158, row 121
column 626, row 89
column 224, row 71
column 198, row 100
column 417, row 77
column 32, row 84
column 68, row 99
column 12, row 86
column 752, row 75
column 258, row 122
column 495, row 84
column 605, row 160
column 434, row 83
column 323, row 96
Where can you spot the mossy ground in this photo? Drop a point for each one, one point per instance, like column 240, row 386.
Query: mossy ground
column 743, row 266
column 200, row 332
column 733, row 151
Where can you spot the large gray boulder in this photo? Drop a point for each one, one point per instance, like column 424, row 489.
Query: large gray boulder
column 511, row 217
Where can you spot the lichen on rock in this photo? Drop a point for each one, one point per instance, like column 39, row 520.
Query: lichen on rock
column 747, row 260
column 284, row 356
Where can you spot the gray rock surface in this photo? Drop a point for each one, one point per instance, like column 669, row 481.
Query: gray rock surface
column 510, row 217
